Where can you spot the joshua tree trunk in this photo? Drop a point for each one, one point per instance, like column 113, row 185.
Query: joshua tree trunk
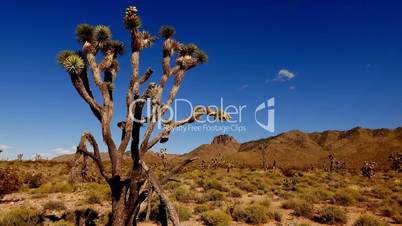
column 128, row 193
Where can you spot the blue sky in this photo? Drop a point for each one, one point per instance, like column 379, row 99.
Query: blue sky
column 346, row 58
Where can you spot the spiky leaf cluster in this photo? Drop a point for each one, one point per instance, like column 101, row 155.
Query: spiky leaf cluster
column 167, row 31
column 102, row 33
column 84, row 33
column 188, row 50
column 115, row 46
column 63, row 55
column 73, row 64
column 147, row 39
column 201, row 56
column 131, row 19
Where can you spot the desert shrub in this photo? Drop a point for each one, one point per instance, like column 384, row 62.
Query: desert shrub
column 215, row 195
column 252, row 213
column 289, row 184
column 212, row 184
column 301, row 207
column 34, row 181
column 346, row 197
column 54, row 205
column 289, row 204
column 201, row 209
column 183, row 212
column 246, row 186
column 320, row 194
column 9, row 181
column 366, row 220
column 62, row 223
column 331, row 215
column 277, row 216
column 182, row 194
column 215, row 218
column 54, row 188
column 94, row 197
column 264, row 202
column 288, row 172
column 20, row 217
column 235, row 193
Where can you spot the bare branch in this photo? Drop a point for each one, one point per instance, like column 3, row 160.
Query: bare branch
column 176, row 169
column 158, row 189
column 95, row 156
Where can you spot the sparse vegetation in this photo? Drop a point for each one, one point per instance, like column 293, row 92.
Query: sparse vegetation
column 215, row 218
column 331, row 215
column 367, row 220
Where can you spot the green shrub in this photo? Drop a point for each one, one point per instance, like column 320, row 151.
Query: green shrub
column 346, row 197
column 54, row 205
column 366, row 220
column 246, row 186
column 20, row 217
column 208, row 184
column 215, row 218
column 215, row 195
column 235, row 193
column 182, row 194
column 183, row 212
column 95, row 197
column 331, row 215
column 300, row 207
column 54, row 188
column 252, row 213
column 201, row 209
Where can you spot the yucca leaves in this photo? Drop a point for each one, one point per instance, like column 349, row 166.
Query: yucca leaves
column 131, row 19
column 113, row 45
column 167, row 31
column 201, row 56
column 102, row 33
column 84, row 33
column 71, row 61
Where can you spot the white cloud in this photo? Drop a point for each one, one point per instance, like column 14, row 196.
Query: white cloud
column 5, row 147
column 292, row 87
column 63, row 151
column 244, row 86
column 284, row 75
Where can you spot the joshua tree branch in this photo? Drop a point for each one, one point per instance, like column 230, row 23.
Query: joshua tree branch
column 95, row 156
column 158, row 189
column 146, row 76
column 176, row 169
column 86, row 95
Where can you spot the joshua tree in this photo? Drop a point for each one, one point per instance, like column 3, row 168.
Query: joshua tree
column 19, row 157
column 163, row 156
column 368, row 169
column 38, row 157
column 128, row 192
column 334, row 164
column 263, row 149
column 396, row 161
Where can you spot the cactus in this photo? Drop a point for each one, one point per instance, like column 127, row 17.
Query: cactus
column 19, row 157
column 129, row 191
column 396, row 161
column 368, row 169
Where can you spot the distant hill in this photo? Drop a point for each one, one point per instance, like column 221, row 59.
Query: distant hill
column 299, row 149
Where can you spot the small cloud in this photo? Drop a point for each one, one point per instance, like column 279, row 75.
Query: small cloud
column 244, row 86
column 292, row 87
column 5, row 147
column 284, row 75
column 63, row 151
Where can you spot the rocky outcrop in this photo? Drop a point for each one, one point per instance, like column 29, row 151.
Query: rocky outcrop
column 224, row 140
